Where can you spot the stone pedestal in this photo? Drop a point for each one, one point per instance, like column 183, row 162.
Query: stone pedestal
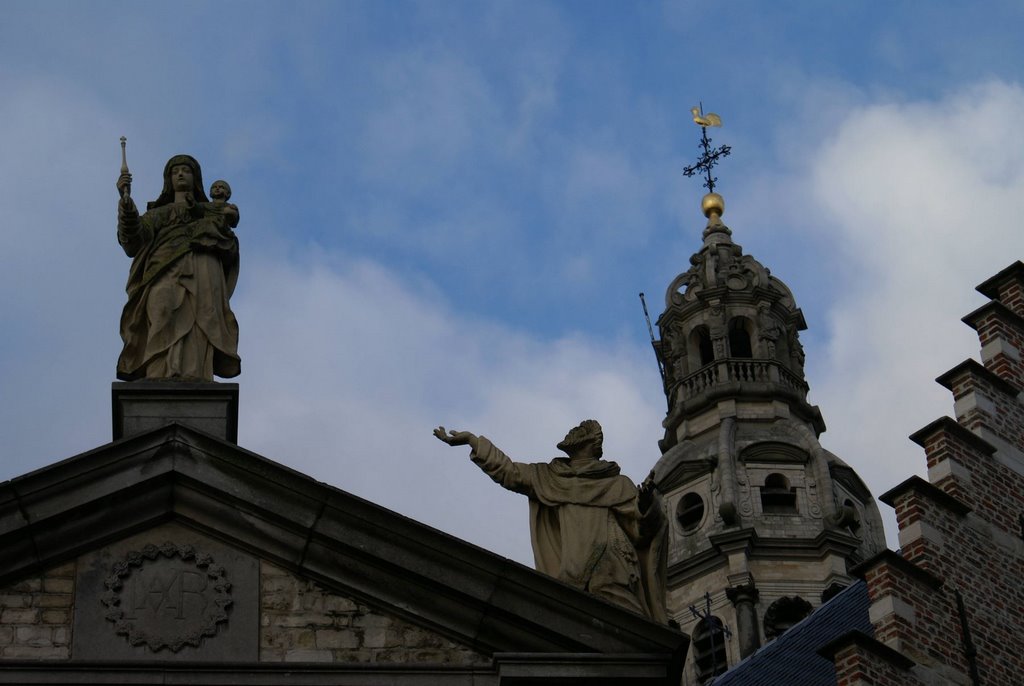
column 140, row 406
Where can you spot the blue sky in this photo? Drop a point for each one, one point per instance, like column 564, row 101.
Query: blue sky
column 448, row 209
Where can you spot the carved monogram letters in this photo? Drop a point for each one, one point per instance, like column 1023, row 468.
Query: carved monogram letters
column 166, row 596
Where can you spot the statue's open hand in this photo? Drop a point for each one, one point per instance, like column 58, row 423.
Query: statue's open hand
column 456, row 437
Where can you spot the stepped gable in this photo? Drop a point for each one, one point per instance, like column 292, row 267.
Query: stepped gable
column 172, row 553
column 949, row 607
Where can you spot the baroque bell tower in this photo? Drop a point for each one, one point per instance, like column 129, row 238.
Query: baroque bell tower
column 766, row 523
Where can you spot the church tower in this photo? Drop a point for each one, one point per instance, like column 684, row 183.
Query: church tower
column 765, row 522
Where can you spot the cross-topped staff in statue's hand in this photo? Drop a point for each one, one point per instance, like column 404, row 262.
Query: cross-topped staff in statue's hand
column 124, row 181
column 710, row 156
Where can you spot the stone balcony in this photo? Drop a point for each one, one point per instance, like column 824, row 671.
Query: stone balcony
column 736, row 378
column 745, row 371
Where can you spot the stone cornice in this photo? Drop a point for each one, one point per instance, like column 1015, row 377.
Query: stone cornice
column 848, row 477
column 695, row 565
column 865, row 642
column 975, row 368
column 319, row 532
column 894, row 559
column 748, row 391
column 587, row 668
column 521, row 669
column 990, row 287
column 24, row 672
column 774, row 452
column 737, row 539
column 993, row 307
column 686, row 470
column 951, row 426
column 707, row 297
column 826, row 541
column 928, row 490
column 755, row 546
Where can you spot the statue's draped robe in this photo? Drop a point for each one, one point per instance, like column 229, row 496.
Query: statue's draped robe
column 587, row 528
column 177, row 322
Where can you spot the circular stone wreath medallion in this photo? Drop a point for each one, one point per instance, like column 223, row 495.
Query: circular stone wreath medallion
column 167, row 596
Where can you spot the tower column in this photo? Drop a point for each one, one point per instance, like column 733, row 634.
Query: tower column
column 726, row 465
column 744, row 599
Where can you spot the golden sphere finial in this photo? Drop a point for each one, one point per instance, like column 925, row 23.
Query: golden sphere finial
column 712, row 203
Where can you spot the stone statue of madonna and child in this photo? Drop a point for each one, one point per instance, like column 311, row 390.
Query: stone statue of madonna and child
column 177, row 324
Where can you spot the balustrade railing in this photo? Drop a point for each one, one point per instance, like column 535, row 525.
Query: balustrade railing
column 742, row 370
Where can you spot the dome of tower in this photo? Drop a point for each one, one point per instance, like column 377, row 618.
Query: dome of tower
column 730, row 327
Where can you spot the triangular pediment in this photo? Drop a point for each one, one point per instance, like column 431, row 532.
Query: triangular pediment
column 307, row 572
column 174, row 593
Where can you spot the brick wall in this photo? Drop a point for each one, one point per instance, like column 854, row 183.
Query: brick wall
column 999, row 331
column 35, row 616
column 858, row 666
column 301, row 622
column 910, row 616
column 952, row 600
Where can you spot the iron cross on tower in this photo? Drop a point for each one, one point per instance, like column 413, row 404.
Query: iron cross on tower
column 710, row 156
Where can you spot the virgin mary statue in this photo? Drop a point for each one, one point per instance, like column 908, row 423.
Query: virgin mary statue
column 177, row 323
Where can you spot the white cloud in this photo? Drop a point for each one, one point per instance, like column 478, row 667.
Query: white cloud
column 349, row 367
column 921, row 202
column 349, row 364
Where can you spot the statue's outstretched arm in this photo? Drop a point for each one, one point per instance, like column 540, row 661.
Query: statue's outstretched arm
column 492, row 461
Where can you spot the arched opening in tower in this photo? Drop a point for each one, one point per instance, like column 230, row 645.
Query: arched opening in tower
column 739, row 338
column 783, row 614
column 708, row 642
column 701, row 347
column 776, row 495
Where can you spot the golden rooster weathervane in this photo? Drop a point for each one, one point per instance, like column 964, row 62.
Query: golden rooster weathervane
column 710, row 156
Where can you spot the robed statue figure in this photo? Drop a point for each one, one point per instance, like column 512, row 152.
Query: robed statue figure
column 177, row 323
column 590, row 526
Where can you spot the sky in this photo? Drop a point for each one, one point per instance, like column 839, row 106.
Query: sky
column 448, row 209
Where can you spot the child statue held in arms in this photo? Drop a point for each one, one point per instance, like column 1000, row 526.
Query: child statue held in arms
column 177, row 324
column 590, row 526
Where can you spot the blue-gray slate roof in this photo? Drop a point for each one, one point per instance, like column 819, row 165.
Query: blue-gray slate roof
column 793, row 657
